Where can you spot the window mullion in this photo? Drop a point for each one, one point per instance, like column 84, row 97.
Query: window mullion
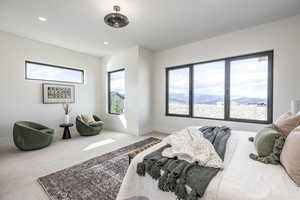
column 270, row 88
column 108, row 89
column 167, row 92
column 191, row 92
column 227, row 90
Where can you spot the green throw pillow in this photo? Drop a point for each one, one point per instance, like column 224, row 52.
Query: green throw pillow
column 265, row 139
column 274, row 157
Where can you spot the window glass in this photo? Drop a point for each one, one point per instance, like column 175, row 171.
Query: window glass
column 116, row 92
column 249, row 88
column 178, row 91
column 37, row 71
column 209, row 83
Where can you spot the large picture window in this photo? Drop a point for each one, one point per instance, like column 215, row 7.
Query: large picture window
column 234, row 89
column 41, row 71
column 116, row 91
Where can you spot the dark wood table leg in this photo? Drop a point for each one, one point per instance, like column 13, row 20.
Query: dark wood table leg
column 66, row 134
column 129, row 159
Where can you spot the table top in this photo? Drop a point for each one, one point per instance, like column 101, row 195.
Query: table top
column 133, row 154
column 66, row 125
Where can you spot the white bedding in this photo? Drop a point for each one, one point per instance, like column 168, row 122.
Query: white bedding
column 241, row 179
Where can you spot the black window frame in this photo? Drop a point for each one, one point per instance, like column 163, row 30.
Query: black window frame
column 54, row 66
column 109, row 88
column 269, row 54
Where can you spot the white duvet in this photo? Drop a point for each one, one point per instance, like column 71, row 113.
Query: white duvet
column 241, row 178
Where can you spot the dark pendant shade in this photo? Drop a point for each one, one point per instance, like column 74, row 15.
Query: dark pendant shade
column 116, row 20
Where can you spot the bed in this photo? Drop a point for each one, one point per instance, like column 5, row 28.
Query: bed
column 241, row 178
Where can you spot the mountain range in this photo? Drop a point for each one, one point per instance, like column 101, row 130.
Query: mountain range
column 213, row 99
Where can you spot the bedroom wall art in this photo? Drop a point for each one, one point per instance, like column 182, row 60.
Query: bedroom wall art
column 57, row 93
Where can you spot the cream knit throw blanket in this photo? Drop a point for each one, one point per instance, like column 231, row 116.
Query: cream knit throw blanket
column 190, row 145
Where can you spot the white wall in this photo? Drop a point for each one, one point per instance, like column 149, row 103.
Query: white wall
column 137, row 63
column 22, row 99
column 127, row 59
column 282, row 36
column 144, row 96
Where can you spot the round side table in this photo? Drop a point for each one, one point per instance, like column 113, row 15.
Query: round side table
column 66, row 127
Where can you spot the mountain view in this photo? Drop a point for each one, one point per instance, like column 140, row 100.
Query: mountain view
column 213, row 99
column 248, row 89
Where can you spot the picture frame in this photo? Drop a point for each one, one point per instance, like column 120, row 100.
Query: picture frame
column 58, row 93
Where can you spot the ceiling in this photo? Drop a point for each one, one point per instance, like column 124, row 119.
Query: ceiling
column 154, row 24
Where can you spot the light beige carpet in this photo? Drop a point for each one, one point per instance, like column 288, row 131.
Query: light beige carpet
column 19, row 171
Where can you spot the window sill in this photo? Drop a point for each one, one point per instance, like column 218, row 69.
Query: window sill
column 114, row 114
column 226, row 120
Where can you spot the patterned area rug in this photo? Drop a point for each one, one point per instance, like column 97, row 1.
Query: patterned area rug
column 97, row 179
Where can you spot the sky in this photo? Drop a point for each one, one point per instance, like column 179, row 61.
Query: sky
column 117, row 81
column 248, row 78
column 36, row 71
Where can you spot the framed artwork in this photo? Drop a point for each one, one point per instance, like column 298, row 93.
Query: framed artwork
column 57, row 93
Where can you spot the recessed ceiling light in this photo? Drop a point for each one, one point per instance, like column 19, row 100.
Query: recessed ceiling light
column 105, row 43
column 43, row 19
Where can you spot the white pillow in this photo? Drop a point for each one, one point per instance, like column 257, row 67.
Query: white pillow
column 88, row 118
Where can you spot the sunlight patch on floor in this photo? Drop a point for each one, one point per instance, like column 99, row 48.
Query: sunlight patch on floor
column 98, row 144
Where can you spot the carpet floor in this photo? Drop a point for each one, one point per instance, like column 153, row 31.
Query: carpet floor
column 97, row 178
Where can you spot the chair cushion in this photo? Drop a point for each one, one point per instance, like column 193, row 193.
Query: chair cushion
column 88, row 118
column 265, row 140
column 287, row 122
column 289, row 157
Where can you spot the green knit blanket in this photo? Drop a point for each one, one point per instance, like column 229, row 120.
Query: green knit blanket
column 177, row 174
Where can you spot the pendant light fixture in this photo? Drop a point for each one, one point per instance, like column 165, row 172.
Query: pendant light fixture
column 116, row 19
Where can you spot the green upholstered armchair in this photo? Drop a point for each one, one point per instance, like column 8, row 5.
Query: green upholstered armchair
column 89, row 129
column 30, row 136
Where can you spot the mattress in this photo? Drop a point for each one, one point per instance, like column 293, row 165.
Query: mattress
column 241, row 179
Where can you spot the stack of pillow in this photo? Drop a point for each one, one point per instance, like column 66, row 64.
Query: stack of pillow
column 88, row 118
column 271, row 148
